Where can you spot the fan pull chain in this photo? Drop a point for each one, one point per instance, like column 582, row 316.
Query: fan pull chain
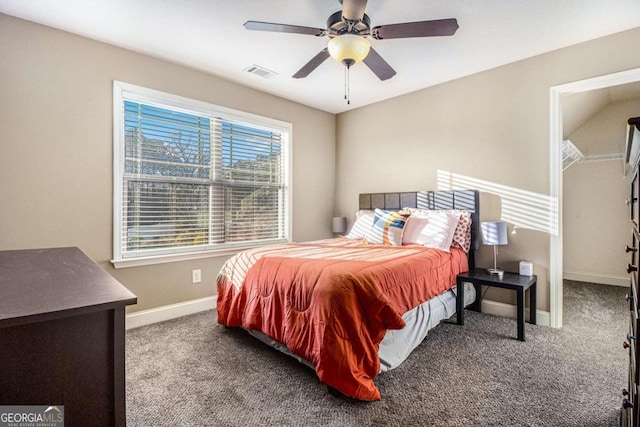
column 347, row 83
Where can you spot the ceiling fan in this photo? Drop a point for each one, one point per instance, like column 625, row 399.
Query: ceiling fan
column 348, row 30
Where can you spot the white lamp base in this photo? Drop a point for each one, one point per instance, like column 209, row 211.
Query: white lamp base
column 496, row 271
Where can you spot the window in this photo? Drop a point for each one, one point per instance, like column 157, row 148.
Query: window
column 192, row 179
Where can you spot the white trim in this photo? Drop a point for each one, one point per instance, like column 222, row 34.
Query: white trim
column 118, row 168
column 168, row 312
column 173, row 311
column 597, row 278
column 555, row 190
column 555, row 250
column 511, row 311
column 189, row 106
column 161, row 259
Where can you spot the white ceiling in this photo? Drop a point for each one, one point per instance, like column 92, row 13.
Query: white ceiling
column 208, row 35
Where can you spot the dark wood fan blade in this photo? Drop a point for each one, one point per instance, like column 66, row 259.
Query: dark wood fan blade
column 312, row 65
column 378, row 65
column 353, row 10
column 283, row 28
column 440, row 27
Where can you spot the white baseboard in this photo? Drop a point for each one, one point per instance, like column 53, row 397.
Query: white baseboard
column 508, row 310
column 596, row 278
column 168, row 312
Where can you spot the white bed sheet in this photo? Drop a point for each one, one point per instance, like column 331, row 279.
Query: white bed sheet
column 397, row 344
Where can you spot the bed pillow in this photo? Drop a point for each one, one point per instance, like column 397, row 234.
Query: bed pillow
column 433, row 230
column 388, row 227
column 362, row 225
column 462, row 234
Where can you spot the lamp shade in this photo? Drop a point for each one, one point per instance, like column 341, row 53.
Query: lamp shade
column 494, row 233
column 349, row 48
column 339, row 224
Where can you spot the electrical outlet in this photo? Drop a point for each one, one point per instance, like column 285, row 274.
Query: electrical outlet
column 196, row 276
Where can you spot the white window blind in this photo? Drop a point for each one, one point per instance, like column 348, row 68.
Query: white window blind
column 195, row 180
column 253, row 182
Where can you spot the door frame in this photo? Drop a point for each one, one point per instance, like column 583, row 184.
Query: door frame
column 557, row 93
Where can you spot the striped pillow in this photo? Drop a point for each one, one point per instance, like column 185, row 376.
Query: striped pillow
column 360, row 228
column 387, row 228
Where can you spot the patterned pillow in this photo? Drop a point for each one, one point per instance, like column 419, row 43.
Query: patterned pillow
column 362, row 225
column 462, row 235
column 387, row 228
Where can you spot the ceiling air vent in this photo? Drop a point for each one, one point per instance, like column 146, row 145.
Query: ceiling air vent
column 260, row 71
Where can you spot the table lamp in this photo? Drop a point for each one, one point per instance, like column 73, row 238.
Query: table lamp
column 494, row 233
column 339, row 224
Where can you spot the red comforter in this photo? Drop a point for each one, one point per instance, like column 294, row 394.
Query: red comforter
column 331, row 301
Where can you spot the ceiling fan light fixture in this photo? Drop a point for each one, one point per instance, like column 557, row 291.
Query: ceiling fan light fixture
column 349, row 49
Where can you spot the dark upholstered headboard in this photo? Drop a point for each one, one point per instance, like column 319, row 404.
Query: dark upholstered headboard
column 468, row 200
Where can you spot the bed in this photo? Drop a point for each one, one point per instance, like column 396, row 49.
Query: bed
column 348, row 308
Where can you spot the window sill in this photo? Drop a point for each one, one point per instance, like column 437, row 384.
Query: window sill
column 162, row 259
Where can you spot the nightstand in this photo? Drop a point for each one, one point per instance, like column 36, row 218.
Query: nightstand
column 512, row 281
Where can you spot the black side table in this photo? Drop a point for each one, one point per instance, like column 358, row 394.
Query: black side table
column 511, row 281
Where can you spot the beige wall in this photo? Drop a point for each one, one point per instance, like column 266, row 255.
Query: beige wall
column 593, row 198
column 605, row 132
column 596, row 221
column 490, row 131
column 56, row 150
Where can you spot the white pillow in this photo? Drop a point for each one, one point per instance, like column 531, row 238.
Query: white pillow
column 360, row 228
column 431, row 229
column 462, row 235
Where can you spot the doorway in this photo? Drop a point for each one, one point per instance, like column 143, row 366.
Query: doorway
column 556, row 157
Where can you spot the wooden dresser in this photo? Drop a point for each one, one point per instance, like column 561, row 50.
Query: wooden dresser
column 62, row 335
column 631, row 401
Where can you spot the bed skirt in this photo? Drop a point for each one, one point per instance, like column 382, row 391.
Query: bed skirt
column 397, row 344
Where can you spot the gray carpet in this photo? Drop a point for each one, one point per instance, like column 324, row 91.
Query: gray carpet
column 193, row 372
